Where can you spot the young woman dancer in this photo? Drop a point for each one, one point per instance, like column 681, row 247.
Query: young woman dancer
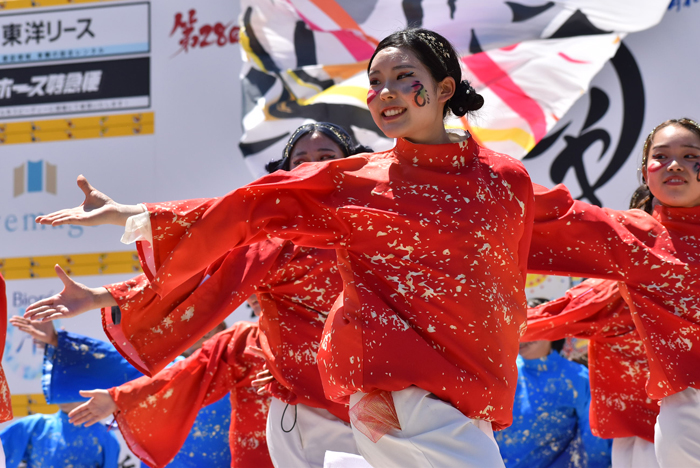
column 432, row 240
column 296, row 287
column 656, row 259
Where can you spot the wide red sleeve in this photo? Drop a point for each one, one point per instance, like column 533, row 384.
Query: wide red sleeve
column 582, row 312
column 5, row 401
column 156, row 413
column 571, row 237
column 153, row 331
column 299, row 206
column 125, row 290
column 169, row 222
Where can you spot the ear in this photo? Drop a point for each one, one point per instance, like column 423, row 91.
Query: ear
column 446, row 89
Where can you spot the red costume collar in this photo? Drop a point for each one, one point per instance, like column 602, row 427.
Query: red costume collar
column 456, row 155
column 685, row 215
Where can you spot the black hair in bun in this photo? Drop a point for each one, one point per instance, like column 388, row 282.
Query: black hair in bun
column 441, row 59
column 465, row 99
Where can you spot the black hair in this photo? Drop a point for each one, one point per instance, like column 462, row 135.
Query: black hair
column 642, row 199
column 440, row 58
column 336, row 133
column 536, row 301
column 558, row 345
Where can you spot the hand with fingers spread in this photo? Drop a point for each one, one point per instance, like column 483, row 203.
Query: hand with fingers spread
column 75, row 299
column 99, row 406
column 44, row 332
column 96, row 209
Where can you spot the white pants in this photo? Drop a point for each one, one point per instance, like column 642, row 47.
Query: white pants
column 677, row 430
column 433, row 434
column 633, row 452
column 315, row 431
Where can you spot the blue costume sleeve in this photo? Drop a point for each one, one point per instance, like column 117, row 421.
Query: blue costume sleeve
column 207, row 444
column 110, row 447
column 598, row 451
column 15, row 439
column 82, row 363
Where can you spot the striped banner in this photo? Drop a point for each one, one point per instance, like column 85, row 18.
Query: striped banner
column 79, row 128
column 89, row 264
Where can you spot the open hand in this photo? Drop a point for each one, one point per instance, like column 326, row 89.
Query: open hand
column 96, row 209
column 75, row 299
column 99, row 406
column 40, row 331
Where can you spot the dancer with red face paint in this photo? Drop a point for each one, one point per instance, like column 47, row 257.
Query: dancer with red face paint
column 432, row 240
column 656, row 259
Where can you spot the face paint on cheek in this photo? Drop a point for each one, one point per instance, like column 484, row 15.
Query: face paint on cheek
column 371, row 94
column 420, row 96
column 655, row 166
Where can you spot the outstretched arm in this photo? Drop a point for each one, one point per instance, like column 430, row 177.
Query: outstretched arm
column 44, row 332
column 97, row 209
column 74, row 299
column 571, row 237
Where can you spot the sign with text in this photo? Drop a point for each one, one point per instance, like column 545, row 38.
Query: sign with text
column 68, row 34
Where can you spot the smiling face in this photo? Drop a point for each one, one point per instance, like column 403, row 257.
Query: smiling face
column 673, row 167
column 314, row 147
column 404, row 99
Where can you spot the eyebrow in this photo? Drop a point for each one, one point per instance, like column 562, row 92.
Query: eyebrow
column 682, row 146
column 397, row 67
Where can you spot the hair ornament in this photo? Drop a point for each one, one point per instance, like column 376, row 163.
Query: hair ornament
column 438, row 48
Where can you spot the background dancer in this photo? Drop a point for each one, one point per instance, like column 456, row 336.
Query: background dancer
column 550, row 415
column 73, row 363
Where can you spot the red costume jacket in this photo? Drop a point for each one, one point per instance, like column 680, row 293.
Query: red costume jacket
column 432, row 245
column 656, row 259
column 156, row 413
column 5, row 400
column 617, row 362
column 296, row 287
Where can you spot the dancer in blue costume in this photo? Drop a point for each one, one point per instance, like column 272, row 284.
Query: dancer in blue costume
column 74, row 362
column 550, row 414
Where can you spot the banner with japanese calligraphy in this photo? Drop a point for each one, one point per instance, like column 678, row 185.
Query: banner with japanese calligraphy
column 306, row 61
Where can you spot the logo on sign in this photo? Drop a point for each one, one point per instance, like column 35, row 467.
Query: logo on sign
column 201, row 36
column 31, row 176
